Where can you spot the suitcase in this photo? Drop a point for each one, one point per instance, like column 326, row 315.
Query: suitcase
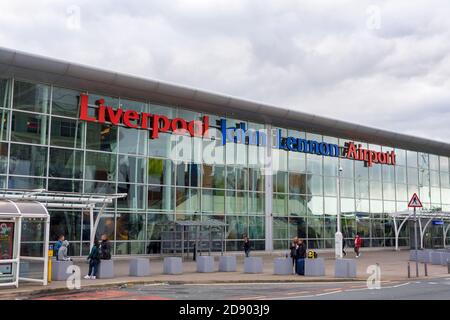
column 300, row 270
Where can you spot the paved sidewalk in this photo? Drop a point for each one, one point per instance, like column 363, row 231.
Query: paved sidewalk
column 393, row 268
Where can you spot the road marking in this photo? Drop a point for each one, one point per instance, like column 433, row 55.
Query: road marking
column 432, row 282
column 332, row 292
column 332, row 289
column 299, row 292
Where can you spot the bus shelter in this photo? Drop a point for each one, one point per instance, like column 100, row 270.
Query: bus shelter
column 20, row 220
column 185, row 237
column 424, row 218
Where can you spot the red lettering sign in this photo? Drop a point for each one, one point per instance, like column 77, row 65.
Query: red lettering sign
column 134, row 119
column 369, row 156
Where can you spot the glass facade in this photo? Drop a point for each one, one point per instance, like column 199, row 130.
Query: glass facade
column 43, row 144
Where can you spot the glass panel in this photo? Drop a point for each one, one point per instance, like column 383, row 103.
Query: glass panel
column 65, row 185
column 413, row 176
column 135, row 196
column 237, row 227
column 28, row 127
column 213, row 176
column 315, row 227
column 297, row 227
column 66, row 163
column 256, row 179
column 160, row 198
column 131, row 169
column 443, row 164
column 4, row 117
column 132, row 140
column 280, row 228
column 160, row 171
column 3, row 157
column 25, row 183
column 101, row 137
column 411, row 157
column 188, row 200
column 28, row 160
column 65, row 102
column 213, row 201
column 279, row 206
column 130, row 226
column 99, row 187
column 256, row 203
column 347, row 188
column 100, row 166
column 67, row 223
column 400, row 174
column 330, row 184
column 256, row 228
column 361, row 189
column 5, row 85
column 314, row 185
column 188, row 174
column 66, row 133
column 314, row 164
column 31, row 97
column 297, row 205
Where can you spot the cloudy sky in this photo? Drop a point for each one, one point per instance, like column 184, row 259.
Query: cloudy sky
column 380, row 63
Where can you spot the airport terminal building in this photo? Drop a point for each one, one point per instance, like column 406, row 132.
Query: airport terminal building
column 185, row 154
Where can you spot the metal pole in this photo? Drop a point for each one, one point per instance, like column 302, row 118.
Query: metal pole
column 415, row 243
column 338, row 235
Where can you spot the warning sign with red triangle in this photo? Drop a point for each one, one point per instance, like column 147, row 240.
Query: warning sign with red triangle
column 415, row 202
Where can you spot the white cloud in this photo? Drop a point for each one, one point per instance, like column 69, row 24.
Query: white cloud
column 313, row 56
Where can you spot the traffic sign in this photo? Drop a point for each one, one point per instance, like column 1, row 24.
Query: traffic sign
column 438, row 222
column 415, row 202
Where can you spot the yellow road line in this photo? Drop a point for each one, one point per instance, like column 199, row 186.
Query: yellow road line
column 332, row 289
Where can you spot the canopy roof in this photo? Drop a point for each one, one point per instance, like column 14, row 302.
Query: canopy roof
column 208, row 223
column 25, row 209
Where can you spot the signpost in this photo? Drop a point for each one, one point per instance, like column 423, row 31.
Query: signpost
column 415, row 203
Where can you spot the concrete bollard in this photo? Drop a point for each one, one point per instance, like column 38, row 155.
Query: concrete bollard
column 59, row 270
column 227, row 264
column 205, row 264
column 105, row 269
column 315, row 267
column 283, row 266
column 139, row 267
column 345, row 268
column 173, row 265
column 253, row 265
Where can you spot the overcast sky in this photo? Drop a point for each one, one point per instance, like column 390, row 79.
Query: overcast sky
column 380, row 63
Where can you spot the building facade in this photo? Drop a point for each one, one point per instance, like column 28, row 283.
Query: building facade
column 71, row 128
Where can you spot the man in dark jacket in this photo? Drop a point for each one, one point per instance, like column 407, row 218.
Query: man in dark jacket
column 246, row 246
column 105, row 248
column 301, row 249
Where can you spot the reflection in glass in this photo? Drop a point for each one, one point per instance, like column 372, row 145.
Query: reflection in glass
column 28, row 160
column 28, row 127
column 31, row 97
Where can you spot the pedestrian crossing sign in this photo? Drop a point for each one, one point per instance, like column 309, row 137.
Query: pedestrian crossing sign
column 415, row 202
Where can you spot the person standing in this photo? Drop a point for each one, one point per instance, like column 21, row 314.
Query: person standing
column 293, row 254
column 301, row 255
column 246, row 246
column 105, row 248
column 343, row 247
column 358, row 243
column 94, row 260
column 58, row 245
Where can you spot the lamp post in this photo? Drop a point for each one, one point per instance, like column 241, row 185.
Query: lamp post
column 338, row 234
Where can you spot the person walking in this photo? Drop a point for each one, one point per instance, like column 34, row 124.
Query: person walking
column 94, row 260
column 358, row 243
column 293, row 254
column 246, row 246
